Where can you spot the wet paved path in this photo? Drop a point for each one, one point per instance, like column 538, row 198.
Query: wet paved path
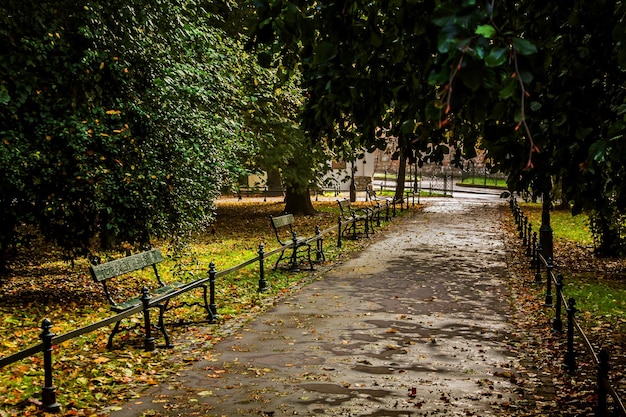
column 415, row 325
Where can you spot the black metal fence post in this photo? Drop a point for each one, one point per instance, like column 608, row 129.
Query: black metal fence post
column 529, row 229
column 533, row 257
column 339, row 226
column 549, row 267
column 570, row 356
column 538, row 264
column 603, row 373
column 294, row 253
column 148, row 345
column 48, row 393
column 524, row 230
column 319, row 245
column 212, row 305
column 545, row 231
column 557, row 324
column 262, row 282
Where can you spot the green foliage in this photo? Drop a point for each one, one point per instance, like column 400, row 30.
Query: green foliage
column 115, row 118
column 364, row 66
column 538, row 86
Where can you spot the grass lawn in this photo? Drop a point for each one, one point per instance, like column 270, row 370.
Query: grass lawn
column 483, row 182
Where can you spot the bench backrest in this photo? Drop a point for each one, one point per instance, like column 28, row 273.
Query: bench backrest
column 345, row 208
column 103, row 272
column 125, row 265
column 285, row 221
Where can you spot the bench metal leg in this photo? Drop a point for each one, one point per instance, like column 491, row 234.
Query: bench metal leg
column 205, row 295
column 116, row 330
column 319, row 253
column 309, row 256
column 161, row 325
column 293, row 267
column 282, row 253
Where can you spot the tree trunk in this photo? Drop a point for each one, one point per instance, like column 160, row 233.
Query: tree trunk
column 564, row 203
column 299, row 202
column 401, row 177
column 274, row 183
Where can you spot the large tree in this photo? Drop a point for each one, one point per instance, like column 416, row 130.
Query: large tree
column 539, row 85
column 548, row 88
column 281, row 146
column 117, row 118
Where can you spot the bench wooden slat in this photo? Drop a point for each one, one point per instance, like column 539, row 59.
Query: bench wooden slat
column 133, row 302
column 125, row 265
column 284, row 220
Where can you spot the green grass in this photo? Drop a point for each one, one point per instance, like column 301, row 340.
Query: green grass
column 482, row 182
column 564, row 226
column 598, row 298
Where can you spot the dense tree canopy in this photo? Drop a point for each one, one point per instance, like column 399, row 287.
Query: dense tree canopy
column 539, row 85
column 118, row 117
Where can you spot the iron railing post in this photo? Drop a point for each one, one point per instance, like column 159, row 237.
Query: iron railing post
column 212, row 305
column 48, row 393
column 545, row 231
column 538, row 264
column 262, row 282
column 533, row 256
column 529, row 239
column 549, row 268
column 569, row 362
column 339, row 226
column 294, row 253
column 149, row 345
column 557, row 324
column 319, row 245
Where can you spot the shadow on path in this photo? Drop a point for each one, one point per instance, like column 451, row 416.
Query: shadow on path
column 414, row 325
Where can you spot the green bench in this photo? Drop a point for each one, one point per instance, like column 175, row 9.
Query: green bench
column 105, row 273
column 287, row 236
column 357, row 221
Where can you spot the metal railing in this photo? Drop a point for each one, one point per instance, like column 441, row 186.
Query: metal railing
column 49, row 339
column 533, row 250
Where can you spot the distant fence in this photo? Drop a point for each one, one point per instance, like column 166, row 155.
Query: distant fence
column 481, row 176
column 533, row 250
column 49, row 339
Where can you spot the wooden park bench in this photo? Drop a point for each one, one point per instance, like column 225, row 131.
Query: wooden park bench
column 376, row 201
column 287, row 237
column 104, row 273
column 354, row 219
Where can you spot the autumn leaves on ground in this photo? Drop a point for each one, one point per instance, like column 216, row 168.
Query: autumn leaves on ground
column 89, row 378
